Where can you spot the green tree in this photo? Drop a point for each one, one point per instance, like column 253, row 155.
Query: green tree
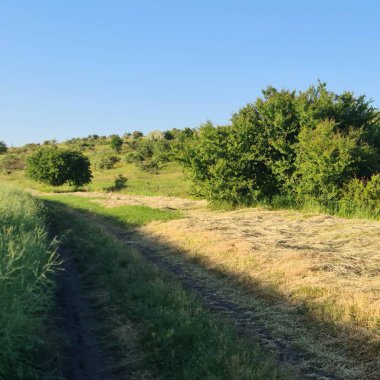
column 259, row 155
column 137, row 134
column 3, row 147
column 56, row 167
column 116, row 143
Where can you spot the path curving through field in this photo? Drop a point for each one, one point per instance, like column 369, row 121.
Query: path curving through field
column 311, row 250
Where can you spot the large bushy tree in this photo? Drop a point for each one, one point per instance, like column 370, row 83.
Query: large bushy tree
column 56, row 167
column 276, row 145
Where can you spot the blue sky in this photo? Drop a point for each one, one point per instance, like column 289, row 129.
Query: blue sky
column 72, row 68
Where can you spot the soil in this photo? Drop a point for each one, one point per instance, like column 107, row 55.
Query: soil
column 82, row 357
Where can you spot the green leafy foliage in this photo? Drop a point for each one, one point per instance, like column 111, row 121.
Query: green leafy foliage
column 106, row 162
column 362, row 198
column 3, row 147
column 120, row 183
column 56, row 167
column 326, row 160
column 116, row 143
column 149, row 154
column 137, row 134
column 12, row 161
column 295, row 146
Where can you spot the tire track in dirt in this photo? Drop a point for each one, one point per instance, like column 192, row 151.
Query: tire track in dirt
column 318, row 351
column 244, row 319
column 81, row 355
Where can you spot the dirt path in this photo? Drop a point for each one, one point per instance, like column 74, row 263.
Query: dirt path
column 82, row 356
column 339, row 256
column 248, row 319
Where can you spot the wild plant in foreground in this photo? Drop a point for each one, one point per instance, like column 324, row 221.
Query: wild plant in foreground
column 27, row 262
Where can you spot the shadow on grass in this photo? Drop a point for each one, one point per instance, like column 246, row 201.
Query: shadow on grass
column 226, row 295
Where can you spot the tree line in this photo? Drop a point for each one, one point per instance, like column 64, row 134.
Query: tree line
column 286, row 148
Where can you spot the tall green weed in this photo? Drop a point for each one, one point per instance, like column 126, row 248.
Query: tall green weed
column 27, row 263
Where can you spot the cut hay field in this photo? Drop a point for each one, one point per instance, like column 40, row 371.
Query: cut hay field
column 312, row 280
column 303, row 285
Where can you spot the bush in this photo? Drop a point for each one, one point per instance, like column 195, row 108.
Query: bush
column 56, row 167
column 155, row 135
column 285, row 144
column 120, row 183
column 12, row 162
column 137, row 134
column 3, row 147
column 150, row 166
column 149, row 154
column 106, row 163
column 362, row 197
column 116, row 143
column 325, row 161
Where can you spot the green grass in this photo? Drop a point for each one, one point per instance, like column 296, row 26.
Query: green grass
column 131, row 216
column 169, row 182
column 177, row 338
column 27, row 263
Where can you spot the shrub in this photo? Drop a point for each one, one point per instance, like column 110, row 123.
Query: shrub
column 155, row 135
column 362, row 197
column 12, row 162
column 56, row 167
column 149, row 155
column 106, row 163
column 150, row 166
column 116, row 143
column 119, row 183
column 285, row 144
column 137, row 134
column 326, row 160
column 3, row 147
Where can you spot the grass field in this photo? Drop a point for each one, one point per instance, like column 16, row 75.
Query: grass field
column 169, row 182
column 156, row 325
column 133, row 216
column 321, row 271
column 324, row 268
column 27, row 265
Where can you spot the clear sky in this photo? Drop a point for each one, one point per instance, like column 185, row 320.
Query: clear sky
column 71, row 68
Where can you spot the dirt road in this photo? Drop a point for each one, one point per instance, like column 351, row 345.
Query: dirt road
column 248, row 266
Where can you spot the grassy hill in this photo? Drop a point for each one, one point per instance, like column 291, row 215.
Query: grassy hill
column 170, row 180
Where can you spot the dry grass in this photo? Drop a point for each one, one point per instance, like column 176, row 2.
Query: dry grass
column 329, row 264
column 113, row 200
column 326, row 267
column 319, row 273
